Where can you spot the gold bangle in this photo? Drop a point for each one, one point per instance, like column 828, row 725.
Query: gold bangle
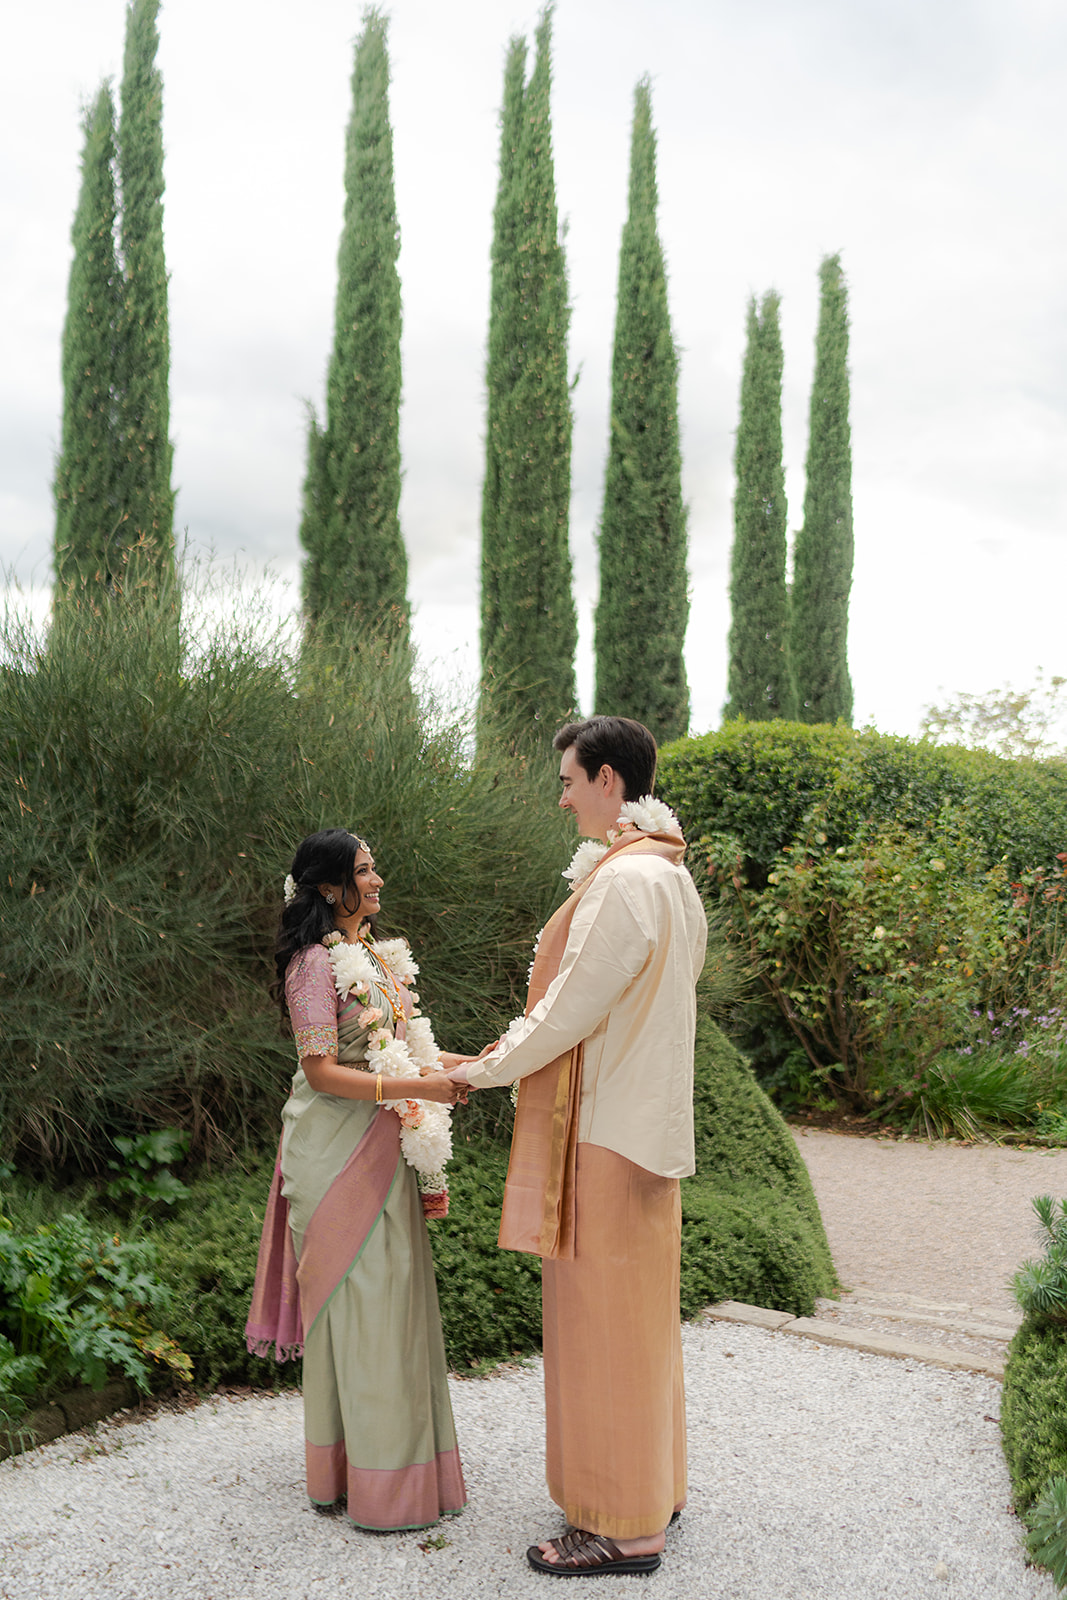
column 378, row 1090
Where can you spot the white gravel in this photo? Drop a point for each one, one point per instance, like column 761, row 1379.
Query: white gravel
column 815, row 1474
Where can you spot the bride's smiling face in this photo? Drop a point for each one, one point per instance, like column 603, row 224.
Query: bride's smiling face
column 368, row 884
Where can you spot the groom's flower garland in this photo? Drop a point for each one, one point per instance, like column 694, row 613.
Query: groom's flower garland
column 646, row 815
column 425, row 1126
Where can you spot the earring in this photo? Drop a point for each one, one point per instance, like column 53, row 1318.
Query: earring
column 331, row 899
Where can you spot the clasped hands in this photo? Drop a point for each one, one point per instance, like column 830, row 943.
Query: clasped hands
column 456, row 1067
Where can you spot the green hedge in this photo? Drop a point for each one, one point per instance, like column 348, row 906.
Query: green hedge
column 751, row 1231
column 758, row 779
column 1033, row 1412
column 751, row 1226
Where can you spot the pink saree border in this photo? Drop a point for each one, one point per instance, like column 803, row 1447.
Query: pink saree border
column 288, row 1294
column 345, row 1217
column 387, row 1499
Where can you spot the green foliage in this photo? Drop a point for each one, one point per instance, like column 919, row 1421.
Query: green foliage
column 973, row 1097
column 528, row 621
column 146, row 498
column 760, row 679
column 759, row 781
column 88, row 506
column 875, row 952
column 144, row 1171
column 356, row 562
column 759, row 795
column 822, row 559
column 21, row 1377
column 644, row 601
column 207, row 1257
column 1047, row 1542
column 490, row 1298
column 153, row 793
column 75, row 1308
column 1040, row 1286
column 751, row 1228
column 1033, row 1413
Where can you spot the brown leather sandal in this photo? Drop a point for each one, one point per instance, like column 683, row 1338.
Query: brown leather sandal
column 585, row 1555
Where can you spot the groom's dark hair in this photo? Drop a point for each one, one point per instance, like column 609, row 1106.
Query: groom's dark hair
column 617, row 742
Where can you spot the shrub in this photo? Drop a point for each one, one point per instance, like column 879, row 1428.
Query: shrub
column 77, row 1309
column 1033, row 1413
column 1047, row 1542
column 751, row 1228
column 1033, row 1416
column 877, row 952
column 893, row 899
column 759, row 780
column 149, row 806
column 1040, row 1286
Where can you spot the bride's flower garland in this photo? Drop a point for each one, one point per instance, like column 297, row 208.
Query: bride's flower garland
column 646, row 815
column 425, row 1126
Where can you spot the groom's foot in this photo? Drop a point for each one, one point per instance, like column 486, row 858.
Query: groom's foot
column 651, row 1545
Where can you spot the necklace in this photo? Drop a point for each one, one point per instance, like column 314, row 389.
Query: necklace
column 396, row 1006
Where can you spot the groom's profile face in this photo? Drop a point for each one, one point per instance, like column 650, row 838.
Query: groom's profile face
column 582, row 795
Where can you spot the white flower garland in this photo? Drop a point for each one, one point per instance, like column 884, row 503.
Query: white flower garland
column 646, row 815
column 425, row 1126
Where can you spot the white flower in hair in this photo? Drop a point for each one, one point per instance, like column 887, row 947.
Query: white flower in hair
column 584, row 859
column 289, row 889
column 648, row 815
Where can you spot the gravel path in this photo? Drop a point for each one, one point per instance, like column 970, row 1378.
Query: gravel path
column 945, row 1222
column 816, row 1473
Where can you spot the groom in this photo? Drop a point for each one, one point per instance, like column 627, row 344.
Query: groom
column 603, row 1132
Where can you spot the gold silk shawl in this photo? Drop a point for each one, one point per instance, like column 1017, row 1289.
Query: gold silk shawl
column 538, row 1211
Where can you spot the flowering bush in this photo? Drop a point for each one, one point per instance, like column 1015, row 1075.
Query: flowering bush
column 877, row 953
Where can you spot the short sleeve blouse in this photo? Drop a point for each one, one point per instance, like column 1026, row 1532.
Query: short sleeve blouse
column 311, row 997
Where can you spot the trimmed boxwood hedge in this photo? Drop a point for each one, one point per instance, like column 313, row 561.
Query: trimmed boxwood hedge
column 751, row 1231
column 1033, row 1412
column 757, row 780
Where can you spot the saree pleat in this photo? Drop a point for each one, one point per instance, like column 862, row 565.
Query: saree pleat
column 614, row 1391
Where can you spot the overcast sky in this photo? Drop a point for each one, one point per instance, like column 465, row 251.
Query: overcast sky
column 924, row 139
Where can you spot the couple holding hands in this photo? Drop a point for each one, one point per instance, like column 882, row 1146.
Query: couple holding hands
column 603, row 1132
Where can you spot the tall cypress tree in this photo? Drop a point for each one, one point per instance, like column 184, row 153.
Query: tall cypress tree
column 144, row 342
column 822, row 561
column 644, row 601
column 88, row 470
column 760, row 682
column 529, row 627
column 503, row 292
column 356, row 563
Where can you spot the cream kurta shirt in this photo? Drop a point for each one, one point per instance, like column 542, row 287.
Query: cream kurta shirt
column 626, row 986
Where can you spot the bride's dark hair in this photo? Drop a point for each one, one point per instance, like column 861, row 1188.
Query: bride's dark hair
column 326, row 857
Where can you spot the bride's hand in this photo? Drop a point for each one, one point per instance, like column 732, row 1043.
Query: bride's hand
column 438, row 1086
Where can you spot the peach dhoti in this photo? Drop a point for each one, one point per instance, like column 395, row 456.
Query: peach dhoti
column 614, row 1391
